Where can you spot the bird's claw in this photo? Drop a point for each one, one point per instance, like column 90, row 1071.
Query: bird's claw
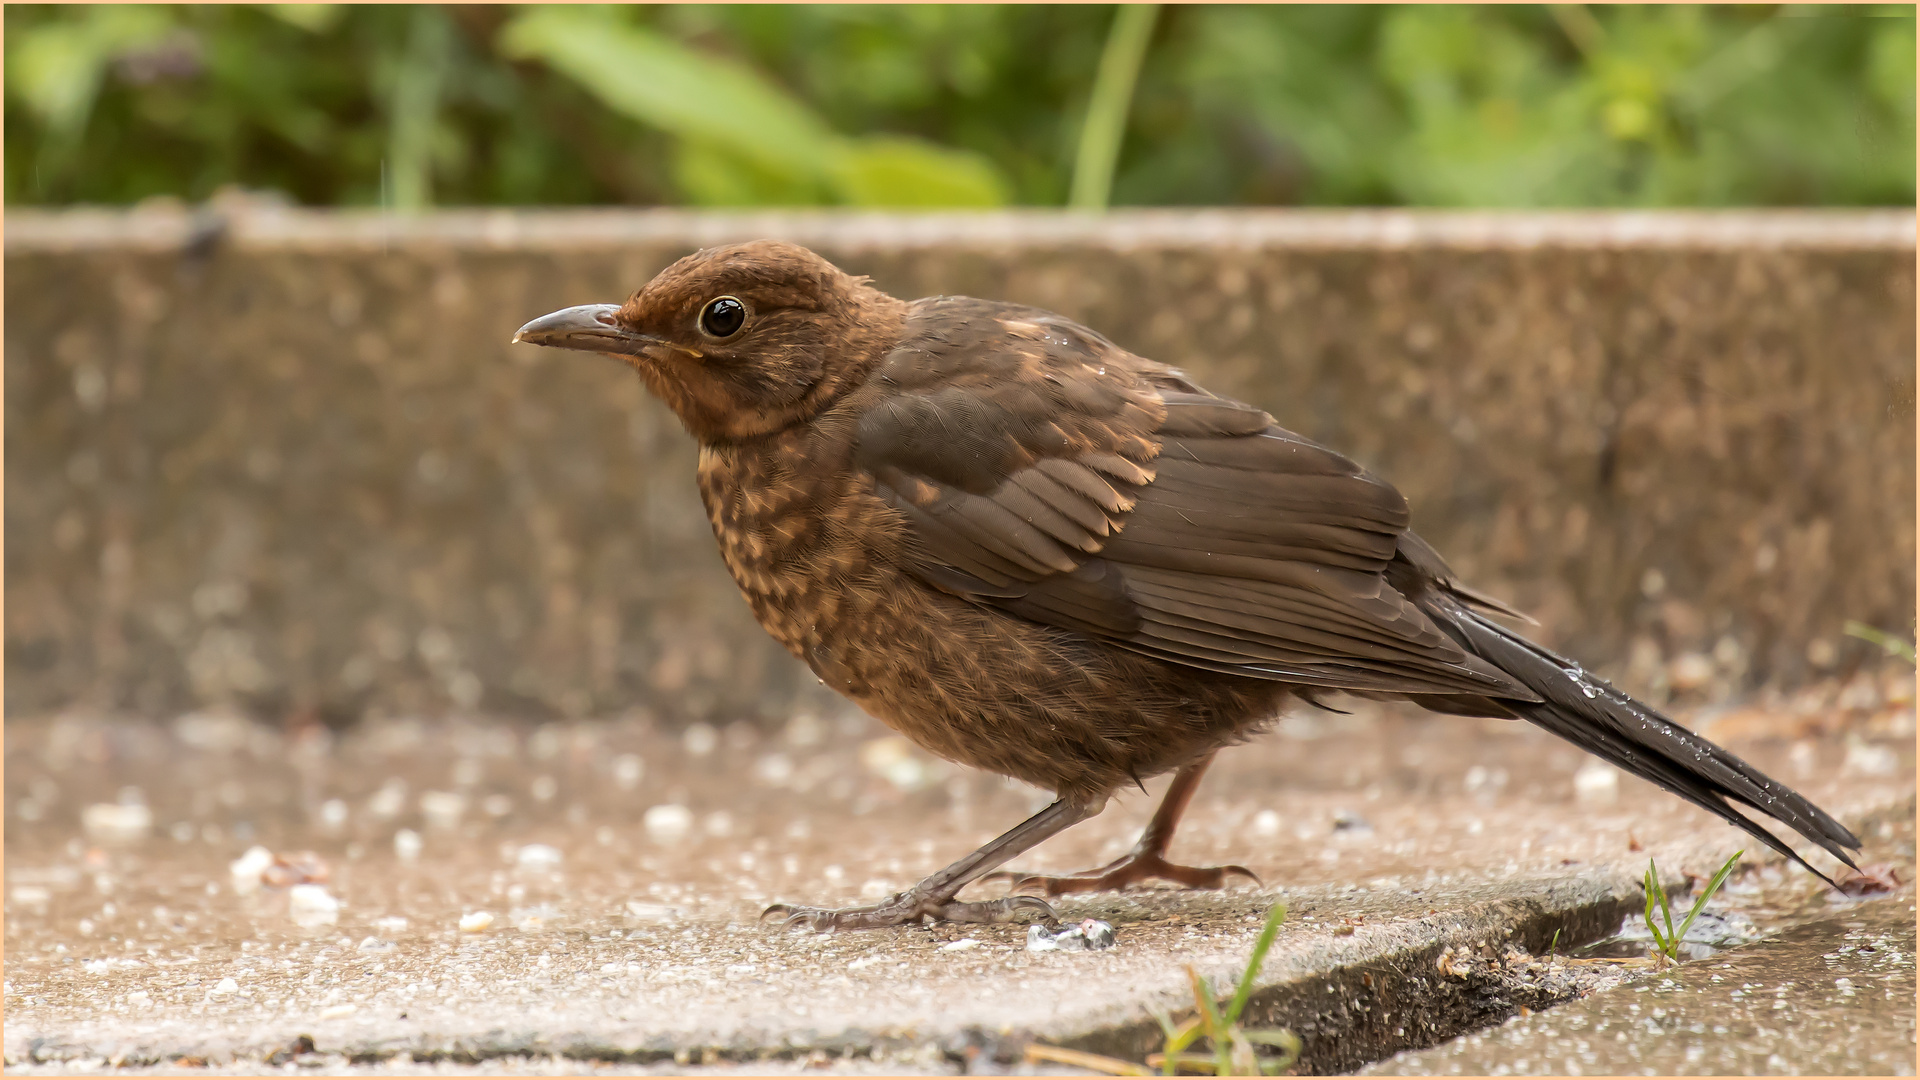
column 907, row 907
column 1130, row 869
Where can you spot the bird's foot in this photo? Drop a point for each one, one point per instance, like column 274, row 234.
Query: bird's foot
column 912, row 906
column 1129, row 869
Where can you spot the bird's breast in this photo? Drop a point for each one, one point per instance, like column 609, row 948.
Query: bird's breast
column 806, row 541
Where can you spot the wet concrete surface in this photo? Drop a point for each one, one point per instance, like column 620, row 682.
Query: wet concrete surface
column 584, row 896
column 1834, row 996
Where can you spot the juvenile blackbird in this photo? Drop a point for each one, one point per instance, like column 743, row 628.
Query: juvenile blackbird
column 1033, row 552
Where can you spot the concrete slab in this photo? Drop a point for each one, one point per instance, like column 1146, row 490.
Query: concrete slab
column 623, row 869
column 1832, row 997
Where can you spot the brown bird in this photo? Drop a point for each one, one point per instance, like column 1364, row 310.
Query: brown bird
column 1033, row 552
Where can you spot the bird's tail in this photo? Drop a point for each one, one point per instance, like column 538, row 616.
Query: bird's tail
column 1589, row 713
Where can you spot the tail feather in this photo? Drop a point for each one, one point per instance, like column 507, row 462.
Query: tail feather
column 1591, row 714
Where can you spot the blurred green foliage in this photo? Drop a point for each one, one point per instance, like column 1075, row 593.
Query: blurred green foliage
column 410, row 106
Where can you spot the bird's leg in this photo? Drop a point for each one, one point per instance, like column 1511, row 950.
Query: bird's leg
column 932, row 899
column 1147, row 861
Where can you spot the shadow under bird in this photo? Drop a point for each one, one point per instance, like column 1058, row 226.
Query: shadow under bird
column 1033, row 552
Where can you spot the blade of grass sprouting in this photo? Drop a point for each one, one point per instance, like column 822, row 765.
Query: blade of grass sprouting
column 1240, row 1056
column 1038, row 1052
column 1170, row 1064
column 1170, row 1054
column 1109, row 104
column 1210, row 1020
column 1662, row 930
column 1666, row 909
column 1275, row 916
column 1280, row 1037
column 1894, row 646
column 1178, row 1039
column 1204, row 1004
column 1286, row 1040
column 1706, row 894
column 1649, row 886
column 415, row 107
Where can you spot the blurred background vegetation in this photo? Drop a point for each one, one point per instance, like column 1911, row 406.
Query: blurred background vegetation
column 410, row 106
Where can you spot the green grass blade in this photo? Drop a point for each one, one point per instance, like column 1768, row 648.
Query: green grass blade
column 1892, row 645
column 1650, row 886
column 1287, row 1041
column 1165, row 1021
column 1666, row 909
column 1170, row 1055
column 1241, row 1060
column 1706, row 894
column 1209, row 1011
column 1109, row 104
column 1280, row 1037
column 1275, row 916
column 1178, row 1039
column 1203, row 998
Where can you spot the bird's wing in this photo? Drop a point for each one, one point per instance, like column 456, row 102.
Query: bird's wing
column 1044, row 471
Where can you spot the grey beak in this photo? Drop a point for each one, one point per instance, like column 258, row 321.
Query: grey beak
column 589, row 326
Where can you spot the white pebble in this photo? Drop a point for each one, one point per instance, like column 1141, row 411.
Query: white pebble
column 667, row 822
column 1596, row 782
column 246, row 869
column 475, row 921
column 443, row 808
column 389, row 800
column 407, row 845
column 224, row 988
column 962, row 945
column 538, row 857
column 1266, row 823
column 312, row 905
column 1866, row 759
column 116, row 822
column 700, row 739
column 648, row 911
column 627, row 771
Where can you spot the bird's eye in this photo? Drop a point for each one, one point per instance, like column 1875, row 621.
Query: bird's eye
column 722, row 317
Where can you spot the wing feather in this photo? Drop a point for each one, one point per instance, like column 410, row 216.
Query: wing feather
column 1085, row 488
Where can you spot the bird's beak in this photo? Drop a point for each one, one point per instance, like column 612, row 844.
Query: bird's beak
column 591, row 327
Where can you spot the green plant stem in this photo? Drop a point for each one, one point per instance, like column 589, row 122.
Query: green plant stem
column 1892, row 645
column 415, row 108
column 1667, row 942
column 1580, row 26
column 1664, row 943
column 1706, row 894
column 1108, row 106
column 1275, row 916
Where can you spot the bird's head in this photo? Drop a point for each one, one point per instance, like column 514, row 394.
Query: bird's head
column 739, row 341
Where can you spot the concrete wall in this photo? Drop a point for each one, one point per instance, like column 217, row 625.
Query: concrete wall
column 287, row 460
